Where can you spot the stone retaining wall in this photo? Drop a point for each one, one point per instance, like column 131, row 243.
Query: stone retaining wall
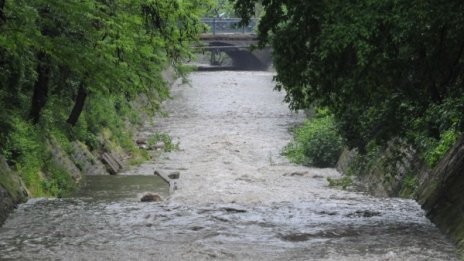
column 440, row 191
column 81, row 161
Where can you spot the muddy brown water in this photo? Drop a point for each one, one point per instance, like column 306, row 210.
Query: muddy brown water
column 237, row 198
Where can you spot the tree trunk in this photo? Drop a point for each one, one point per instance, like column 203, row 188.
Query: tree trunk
column 2, row 12
column 434, row 93
column 78, row 105
column 40, row 96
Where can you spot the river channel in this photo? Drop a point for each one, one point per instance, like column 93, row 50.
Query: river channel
column 237, row 198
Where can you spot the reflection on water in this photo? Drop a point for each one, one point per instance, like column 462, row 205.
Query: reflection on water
column 111, row 188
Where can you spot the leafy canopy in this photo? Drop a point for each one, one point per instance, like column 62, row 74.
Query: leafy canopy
column 92, row 56
column 385, row 68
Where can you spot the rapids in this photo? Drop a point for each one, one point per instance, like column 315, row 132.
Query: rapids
column 237, row 198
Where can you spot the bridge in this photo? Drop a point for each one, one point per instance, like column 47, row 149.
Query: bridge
column 237, row 42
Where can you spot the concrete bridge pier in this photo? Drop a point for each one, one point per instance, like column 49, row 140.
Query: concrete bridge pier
column 238, row 48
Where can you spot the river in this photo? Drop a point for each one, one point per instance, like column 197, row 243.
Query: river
column 237, row 198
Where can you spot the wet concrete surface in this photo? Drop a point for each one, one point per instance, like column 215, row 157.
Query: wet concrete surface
column 237, row 198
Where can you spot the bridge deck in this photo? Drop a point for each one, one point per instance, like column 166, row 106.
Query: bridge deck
column 228, row 37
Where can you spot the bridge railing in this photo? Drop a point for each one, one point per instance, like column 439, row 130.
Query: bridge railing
column 229, row 25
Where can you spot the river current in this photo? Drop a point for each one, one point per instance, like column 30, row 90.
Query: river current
column 237, row 198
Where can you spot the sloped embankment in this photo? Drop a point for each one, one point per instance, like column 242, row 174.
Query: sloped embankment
column 438, row 190
column 72, row 162
column 442, row 196
column 12, row 192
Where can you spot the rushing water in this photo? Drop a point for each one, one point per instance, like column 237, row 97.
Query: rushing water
column 237, row 198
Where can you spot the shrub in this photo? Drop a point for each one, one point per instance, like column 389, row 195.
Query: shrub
column 25, row 149
column 317, row 143
column 58, row 182
column 437, row 149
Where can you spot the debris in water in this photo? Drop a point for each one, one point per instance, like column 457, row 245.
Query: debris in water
column 151, row 197
column 364, row 213
column 174, row 175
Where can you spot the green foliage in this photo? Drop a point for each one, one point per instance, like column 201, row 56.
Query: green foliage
column 23, row 143
column 437, row 149
column 186, row 69
column 224, row 7
column 385, row 68
column 168, row 144
column 139, row 157
column 115, row 50
column 25, row 149
column 317, row 143
column 344, row 182
column 58, row 182
column 446, row 119
column 409, row 185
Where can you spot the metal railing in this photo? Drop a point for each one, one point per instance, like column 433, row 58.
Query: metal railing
column 229, row 25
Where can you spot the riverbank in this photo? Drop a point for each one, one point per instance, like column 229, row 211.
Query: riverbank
column 71, row 153
column 399, row 171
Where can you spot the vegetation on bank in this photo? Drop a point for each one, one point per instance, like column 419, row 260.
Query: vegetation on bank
column 316, row 143
column 72, row 70
column 167, row 144
column 385, row 69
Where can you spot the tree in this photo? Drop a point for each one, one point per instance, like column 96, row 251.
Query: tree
column 103, row 46
column 62, row 60
column 224, row 7
column 385, row 68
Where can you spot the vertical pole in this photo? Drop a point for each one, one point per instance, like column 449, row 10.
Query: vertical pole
column 214, row 26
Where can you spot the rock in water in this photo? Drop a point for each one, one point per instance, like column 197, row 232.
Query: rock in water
column 151, row 197
column 141, row 142
column 174, row 175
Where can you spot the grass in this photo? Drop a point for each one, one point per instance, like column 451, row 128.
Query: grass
column 59, row 182
column 409, row 187
column 437, row 149
column 169, row 145
column 343, row 182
